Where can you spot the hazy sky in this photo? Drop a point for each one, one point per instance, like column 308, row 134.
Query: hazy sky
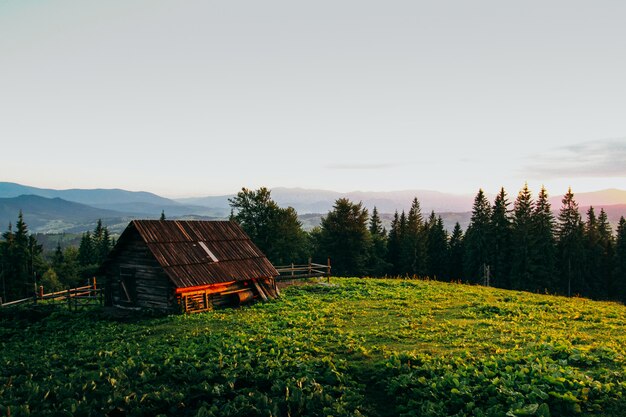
column 204, row 97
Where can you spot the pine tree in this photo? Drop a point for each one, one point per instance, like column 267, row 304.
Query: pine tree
column 288, row 242
column 345, row 238
column 570, row 246
column 476, row 240
column 23, row 278
column 6, row 265
column 57, row 258
column 456, row 253
column 162, row 215
column 593, row 254
column 619, row 274
column 97, row 233
column 413, row 258
column 393, row 245
column 406, row 255
column 543, row 248
column 437, row 253
column 376, row 225
column 500, row 241
column 607, row 242
column 103, row 246
column 378, row 250
column 21, row 261
column 521, row 276
column 86, row 253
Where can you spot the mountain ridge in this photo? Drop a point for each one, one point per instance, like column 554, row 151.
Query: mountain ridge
column 311, row 205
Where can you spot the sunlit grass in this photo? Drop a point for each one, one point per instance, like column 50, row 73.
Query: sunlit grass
column 356, row 346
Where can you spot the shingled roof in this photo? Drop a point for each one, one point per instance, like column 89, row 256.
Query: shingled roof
column 197, row 252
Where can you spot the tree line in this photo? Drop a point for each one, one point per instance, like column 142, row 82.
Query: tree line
column 24, row 266
column 520, row 245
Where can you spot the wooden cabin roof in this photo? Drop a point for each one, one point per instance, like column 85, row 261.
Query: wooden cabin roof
column 200, row 252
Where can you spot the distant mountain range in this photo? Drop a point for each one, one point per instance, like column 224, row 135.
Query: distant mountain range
column 321, row 201
column 55, row 215
column 136, row 203
column 76, row 210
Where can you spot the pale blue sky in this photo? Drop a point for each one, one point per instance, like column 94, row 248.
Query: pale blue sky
column 204, row 97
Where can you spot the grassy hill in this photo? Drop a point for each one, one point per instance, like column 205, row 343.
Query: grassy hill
column 359, row 347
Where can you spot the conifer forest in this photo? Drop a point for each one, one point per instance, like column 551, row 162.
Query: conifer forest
column 518, row 244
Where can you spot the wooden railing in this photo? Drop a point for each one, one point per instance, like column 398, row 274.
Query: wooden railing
column 310, row 270
column 75, row 297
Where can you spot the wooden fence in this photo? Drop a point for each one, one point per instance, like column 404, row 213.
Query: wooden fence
column 310, row 270
column 75, row 298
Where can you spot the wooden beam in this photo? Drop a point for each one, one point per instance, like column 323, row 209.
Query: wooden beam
column 204, row 287
column 125, row 292
column 260, row 290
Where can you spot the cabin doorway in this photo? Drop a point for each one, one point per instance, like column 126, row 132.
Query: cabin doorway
column 127, row 291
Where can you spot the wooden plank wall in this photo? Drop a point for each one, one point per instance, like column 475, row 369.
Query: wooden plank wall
column 152, row 287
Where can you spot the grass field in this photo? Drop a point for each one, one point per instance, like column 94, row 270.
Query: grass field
column 357, row 347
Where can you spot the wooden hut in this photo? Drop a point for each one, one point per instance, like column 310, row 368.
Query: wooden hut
column 188, row 266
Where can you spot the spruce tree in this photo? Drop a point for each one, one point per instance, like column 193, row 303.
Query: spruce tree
column 21, row 261
column 593, row 254
column 393, row 245
column 543, row 249
column 522, row 240
column 57, row 258
column 289, row 242
column 86, row 253
column 162, row 215
column 414, row 246
column 344, row 238
column 376, row 225
column 406, row 253
column 437, row 254
column 456, row 253
column 103, row 246
column 607, row 242
column 619, row 274
column 378, row 250
column 570, row 247
column 98, row 233
column 6, row 265
column 476, row 241
column 500, row 241
column 23, row 278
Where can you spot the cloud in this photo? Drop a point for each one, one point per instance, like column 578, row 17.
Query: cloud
column 601, row 158
column 361, row 166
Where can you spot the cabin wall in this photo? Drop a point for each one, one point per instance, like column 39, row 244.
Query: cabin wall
column 144, row 280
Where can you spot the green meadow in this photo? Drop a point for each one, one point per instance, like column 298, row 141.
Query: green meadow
column 356, row 347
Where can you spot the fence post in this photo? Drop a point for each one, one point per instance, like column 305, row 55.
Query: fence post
column 328, row 269
column 310, row 271
column 292, row 270
column 69, row 300
column 41, row 291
